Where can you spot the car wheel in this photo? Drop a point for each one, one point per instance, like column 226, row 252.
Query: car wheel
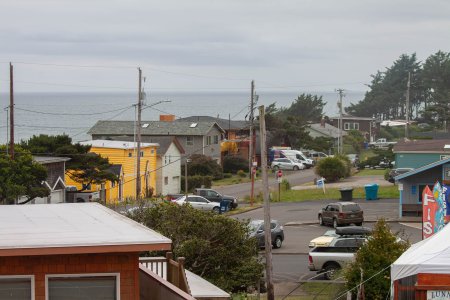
column 321, row 220
column 330, row 271
column 216, row 209
column 296, row 168
column 277, row 243
column 275, row 168
column 335, row 223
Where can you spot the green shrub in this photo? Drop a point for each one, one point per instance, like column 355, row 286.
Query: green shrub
column 204, row 166
column 241, row 173
column 227, row 175
column 331, row 168
column 196, row 182
column 285, row 185
column 232, row 164
column 347, row 162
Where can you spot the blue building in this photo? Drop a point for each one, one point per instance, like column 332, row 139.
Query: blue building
column 418, row 153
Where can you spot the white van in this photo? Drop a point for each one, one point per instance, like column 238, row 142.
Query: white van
column 299, row 156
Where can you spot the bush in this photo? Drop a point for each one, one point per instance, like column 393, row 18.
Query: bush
column 227, row 175
column 232, row 164
column 196, row 182
column 215, row 247
column 285, row 185
column 331, row 168
column 381, row 250
column 241, row 173
column 348, row 164
column 205, row 166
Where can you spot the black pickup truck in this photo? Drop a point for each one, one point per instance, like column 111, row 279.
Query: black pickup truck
column 214, row 196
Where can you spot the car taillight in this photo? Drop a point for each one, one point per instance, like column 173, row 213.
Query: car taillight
column 341, row 215
column 310, row 259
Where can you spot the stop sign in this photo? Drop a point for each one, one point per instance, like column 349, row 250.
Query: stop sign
column 279, row 174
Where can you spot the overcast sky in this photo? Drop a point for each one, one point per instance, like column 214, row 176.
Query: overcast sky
column 210, row 44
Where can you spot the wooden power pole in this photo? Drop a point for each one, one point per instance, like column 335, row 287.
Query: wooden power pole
column 138, row 140
column 407, row 106
column 340, row 141
column 11, row 110
column 252, row 143
column 265, row 182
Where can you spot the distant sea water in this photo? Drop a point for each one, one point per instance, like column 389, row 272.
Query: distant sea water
column 75, row 113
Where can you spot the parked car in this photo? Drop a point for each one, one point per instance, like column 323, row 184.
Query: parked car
column 316, row 156
column 339, row 233
column 198, row 202
column 354, row 159
column 324, row 240
column 341, row 213
column 396, row 172
column 257, row 231
column 215, row 196
column 287, row 164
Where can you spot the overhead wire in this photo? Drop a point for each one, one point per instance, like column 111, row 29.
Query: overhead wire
column 72, row 114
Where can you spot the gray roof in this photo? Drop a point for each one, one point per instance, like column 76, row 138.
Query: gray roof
column 327, row 129
column 163, row 141
column 153, row 128
column 423, row 146
column 43, row 160
column 224, row 123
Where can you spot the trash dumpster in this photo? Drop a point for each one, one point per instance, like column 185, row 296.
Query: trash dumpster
column 224, row 206
column 346, row 194
column 371, row 191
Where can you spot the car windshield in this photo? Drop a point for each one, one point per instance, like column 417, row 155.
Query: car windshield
column 351, row 207
column 254, row 225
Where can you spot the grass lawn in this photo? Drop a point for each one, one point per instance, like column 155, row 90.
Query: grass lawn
column 384, row 192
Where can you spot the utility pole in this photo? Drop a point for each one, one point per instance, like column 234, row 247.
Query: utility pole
column 251, row 145
column 138, row 131
column 265, row 181
column 340, row 141
column 407, row 106
column 11, row 110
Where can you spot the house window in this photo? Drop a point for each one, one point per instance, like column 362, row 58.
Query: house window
column 152, row 151
column 351, row 126
column 166, row 180
column 142, row 153
column 78, row 287
column 17, row 287
column 190, row 140
column 113, row 184
column 130, row 154
column 208, row 140
column 216, row 139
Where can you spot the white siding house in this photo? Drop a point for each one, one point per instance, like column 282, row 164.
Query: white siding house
column 168, row 174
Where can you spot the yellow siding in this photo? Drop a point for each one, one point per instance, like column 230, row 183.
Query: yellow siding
column 121, row 157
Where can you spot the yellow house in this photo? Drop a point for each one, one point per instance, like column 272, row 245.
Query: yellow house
column 122, row 156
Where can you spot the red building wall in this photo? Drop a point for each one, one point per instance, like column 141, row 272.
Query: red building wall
column 127, row 264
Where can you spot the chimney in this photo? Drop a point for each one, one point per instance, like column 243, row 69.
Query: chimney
column 167, row 118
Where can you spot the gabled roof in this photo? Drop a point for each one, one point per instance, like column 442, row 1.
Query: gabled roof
column 422, row 146
column 163, row 141
column 350, row 117
column 224, row 123
column 327, row 129
column 153, row 128
column 423, row 168
column 72, row 228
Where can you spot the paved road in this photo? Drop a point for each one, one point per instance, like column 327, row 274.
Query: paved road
column 243, row 189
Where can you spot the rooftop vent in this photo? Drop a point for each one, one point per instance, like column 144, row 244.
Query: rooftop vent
column 447, row 146
column 193, row 125
column 145, row 125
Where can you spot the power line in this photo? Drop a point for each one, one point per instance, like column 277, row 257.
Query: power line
column 71, row 85
column 72, row 114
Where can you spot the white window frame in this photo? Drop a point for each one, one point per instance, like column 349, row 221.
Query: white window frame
column 22, row 276
column 216, row 139
column 356, row 126
column 208, row 140
column 346, row 126
column 189, row 140
column 117, row 275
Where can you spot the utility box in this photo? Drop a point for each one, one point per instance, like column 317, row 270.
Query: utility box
column 371, row 191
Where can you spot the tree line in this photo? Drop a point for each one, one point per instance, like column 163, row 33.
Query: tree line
column 429, row 93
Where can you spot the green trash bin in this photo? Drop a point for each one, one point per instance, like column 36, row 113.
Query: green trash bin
column 371, row 191
column 346, row 194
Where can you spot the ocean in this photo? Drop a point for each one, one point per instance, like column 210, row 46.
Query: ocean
column 75, row 113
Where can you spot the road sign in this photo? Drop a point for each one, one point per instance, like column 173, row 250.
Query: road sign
column 279, row 174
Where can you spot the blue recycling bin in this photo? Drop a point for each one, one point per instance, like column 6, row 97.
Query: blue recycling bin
column 371, row 191
column 224, row 206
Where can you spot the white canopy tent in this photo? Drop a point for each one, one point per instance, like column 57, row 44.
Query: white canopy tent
column 430, row 256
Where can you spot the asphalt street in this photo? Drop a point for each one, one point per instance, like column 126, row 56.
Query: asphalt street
column 243, row 189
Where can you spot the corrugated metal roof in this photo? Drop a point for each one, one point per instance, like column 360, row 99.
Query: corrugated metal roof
column 116, row 144
column 43, row 226
column 154, row 128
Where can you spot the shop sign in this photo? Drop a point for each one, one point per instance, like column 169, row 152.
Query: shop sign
column 438, row 295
